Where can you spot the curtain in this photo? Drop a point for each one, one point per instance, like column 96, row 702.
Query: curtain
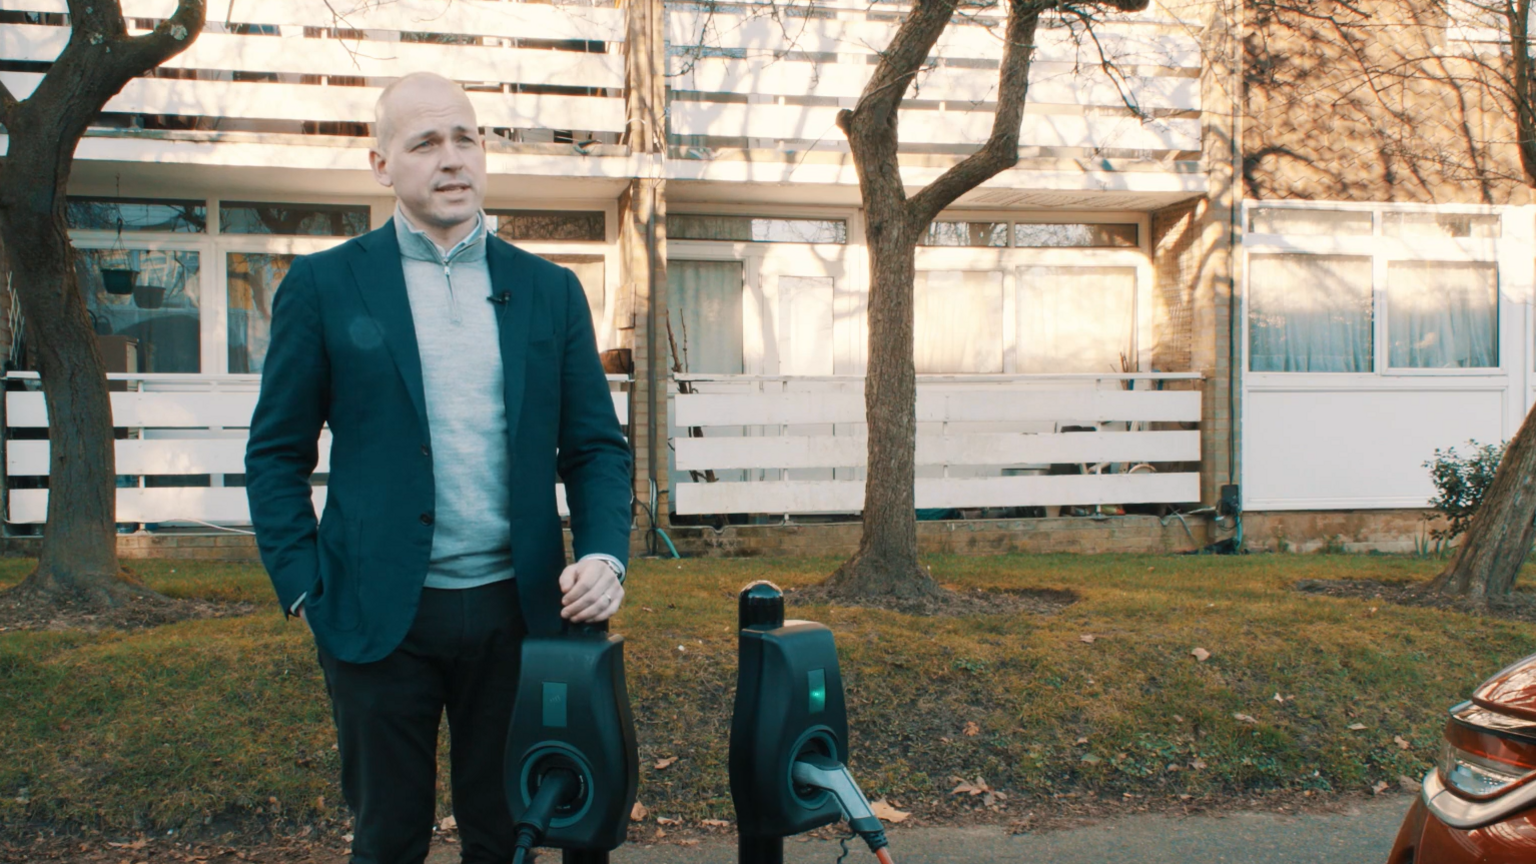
column 704, row 311
column 808, row 321
column 591, row 272
column 1442, row 315
column 957, row 318
column 1075, row 319
column 1309, row 313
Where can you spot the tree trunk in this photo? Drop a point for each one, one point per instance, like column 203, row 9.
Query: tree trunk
column 886, row 564
column 1490, row 555
column 79, row 555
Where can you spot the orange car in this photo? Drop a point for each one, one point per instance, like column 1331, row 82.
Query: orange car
column 1479, row 803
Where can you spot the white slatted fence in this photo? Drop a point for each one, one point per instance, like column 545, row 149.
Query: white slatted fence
column 181, row 427
column 982, row 442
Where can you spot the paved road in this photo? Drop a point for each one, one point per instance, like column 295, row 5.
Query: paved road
column 1361, row 836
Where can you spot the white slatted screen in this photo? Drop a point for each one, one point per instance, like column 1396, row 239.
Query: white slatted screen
column 186, row 432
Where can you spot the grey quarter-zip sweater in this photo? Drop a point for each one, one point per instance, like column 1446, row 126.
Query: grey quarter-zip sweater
column 462, row 378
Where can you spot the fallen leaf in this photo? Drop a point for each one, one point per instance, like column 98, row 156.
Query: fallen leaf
column 1201, row 654
column 1197, row 765
column 660, row 834
column 646, row 609
column 971, row 729
column 664, row 764
column 886, row 813
column 691, row 841
column 1091, row 759
column 1279, row 698
column 448, row 824
column 1088, row 638
column 716, row 823
column 638, row 812
column 1400, row 741
column 1245, row 718
column 1408, row 784
column 1379, row 788
column 971, row 787
column 1082, row 741
column 667, row 820
column 1356, row 727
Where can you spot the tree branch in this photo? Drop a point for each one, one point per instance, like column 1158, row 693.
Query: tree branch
column 1001, row 151
column 876, row 108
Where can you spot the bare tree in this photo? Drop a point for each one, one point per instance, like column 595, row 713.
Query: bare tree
column 886, row 563
column 79, row 555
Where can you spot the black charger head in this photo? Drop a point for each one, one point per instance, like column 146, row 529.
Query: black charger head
column 572, row 714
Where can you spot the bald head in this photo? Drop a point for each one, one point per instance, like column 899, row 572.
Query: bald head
column 429, row 151
column 406, row 95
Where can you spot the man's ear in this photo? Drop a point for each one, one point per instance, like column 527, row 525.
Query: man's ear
column 380, row 167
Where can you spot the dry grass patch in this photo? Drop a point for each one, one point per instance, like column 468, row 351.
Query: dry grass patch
column 225, row 721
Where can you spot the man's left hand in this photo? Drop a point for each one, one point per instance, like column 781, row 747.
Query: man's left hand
column 591, row 592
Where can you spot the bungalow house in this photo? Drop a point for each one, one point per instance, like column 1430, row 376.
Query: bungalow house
column 1161, row 309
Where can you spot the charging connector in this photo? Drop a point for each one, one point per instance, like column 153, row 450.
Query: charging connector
column 556, row 788
column 823, row 772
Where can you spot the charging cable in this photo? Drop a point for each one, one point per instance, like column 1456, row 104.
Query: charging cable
column 556, row 788
column 822, row 772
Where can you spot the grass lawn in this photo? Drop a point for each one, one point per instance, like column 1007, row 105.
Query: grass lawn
column 227, row 718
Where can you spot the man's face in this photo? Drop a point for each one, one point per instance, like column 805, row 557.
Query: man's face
column 432, row 155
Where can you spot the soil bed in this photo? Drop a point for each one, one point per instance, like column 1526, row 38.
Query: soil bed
column 28, row 611
column 1518, row 606
column 951, row 602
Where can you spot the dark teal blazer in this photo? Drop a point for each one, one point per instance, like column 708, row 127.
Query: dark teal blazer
column 343, row 352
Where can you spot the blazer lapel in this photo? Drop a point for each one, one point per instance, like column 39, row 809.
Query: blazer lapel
column 381, row 282
column 509, row 280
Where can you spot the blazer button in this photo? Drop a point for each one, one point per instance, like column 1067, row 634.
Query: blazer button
column 426, row 518
column 425, row 450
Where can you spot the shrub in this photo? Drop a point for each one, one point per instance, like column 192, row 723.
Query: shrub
column 1460, row 484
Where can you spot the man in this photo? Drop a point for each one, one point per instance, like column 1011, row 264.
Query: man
column 458, row 375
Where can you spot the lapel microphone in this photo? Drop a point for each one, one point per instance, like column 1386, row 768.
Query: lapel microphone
column 501, row 299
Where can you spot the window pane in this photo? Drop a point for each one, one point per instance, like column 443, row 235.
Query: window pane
column 957, row 318
column 687, row 226
column 1277, row 220
column 567, row 225
column 967, row 234
column 1442, row 315
column 138, row 214
column 590, row 270
column 253, row 278
column 1481, row 227
column 704, row 314
column 1309, row 313
column 161, row 313
column 322, row 220
column 1075, row 319
column 1040, row 234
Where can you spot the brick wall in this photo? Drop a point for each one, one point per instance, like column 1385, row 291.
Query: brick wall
column 1372, row 102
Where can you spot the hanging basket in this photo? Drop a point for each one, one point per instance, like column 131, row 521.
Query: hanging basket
column 149, row 296
column 119, row 280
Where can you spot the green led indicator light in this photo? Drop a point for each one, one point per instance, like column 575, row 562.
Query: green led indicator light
column 817, row 678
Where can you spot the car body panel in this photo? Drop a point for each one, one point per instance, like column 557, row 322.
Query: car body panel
column 1512, row 691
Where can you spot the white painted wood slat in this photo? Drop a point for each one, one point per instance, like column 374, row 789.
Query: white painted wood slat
column 475, row 17
column 272, row 101
column 799, row 122
column 1065, row 406
column 848, row 496
column 826, row 451
column 220, row 505
column 1049, row 83
column 186, row 410
column 1128, row 42
column 39, row 43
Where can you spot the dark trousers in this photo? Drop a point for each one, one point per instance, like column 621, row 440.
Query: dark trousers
column 462, row 655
